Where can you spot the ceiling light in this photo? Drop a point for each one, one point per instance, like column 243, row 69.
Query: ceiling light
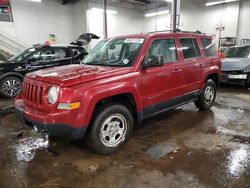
column 157, row 13
column 170, row 1
column 219, row 2
column 38, row 1
column 101, row 10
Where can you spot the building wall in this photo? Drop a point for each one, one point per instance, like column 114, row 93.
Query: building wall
column 195, row 16
column 244, row 21
column 33, row 21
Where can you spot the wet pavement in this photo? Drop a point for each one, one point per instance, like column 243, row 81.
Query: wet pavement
column 213, row 151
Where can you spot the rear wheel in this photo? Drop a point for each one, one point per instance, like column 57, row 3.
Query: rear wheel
column 10, row 86
column 207, row 96
column 110, row 129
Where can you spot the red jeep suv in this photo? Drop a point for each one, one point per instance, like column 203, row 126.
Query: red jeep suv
column 122, row 81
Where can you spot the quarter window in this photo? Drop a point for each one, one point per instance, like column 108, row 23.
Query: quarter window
column 165, row 48
column 209, row 47
column 190, row 48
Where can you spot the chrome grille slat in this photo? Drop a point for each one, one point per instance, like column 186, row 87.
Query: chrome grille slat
column 33, row 94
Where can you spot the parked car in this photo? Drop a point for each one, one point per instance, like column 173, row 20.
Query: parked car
column 122, row 81
column 39, row 57
column 236, row 65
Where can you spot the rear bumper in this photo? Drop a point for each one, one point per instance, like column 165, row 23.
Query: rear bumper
column 61, row 130
column 232, row 78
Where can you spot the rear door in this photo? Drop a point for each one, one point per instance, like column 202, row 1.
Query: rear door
column 191, row 64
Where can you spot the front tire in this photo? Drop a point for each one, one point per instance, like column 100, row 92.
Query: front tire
column 207, row 96
column 110, row 129
column 10, row 86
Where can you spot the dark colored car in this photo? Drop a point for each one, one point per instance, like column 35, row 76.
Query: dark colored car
column 35, row 58
column 236, row 66
column 39, row 57
column 122, row 81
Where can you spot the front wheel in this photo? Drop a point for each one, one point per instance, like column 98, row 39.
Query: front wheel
column 10, row 86
column 207, row 96
column 110, row 129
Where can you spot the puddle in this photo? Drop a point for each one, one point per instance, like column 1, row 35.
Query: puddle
column 238, row 161
column 27, row 147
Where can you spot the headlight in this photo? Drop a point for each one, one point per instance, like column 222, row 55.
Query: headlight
column 53, row 93
column 246, row 70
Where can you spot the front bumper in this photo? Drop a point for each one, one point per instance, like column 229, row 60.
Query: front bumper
column 239, row 78
column 52, row 129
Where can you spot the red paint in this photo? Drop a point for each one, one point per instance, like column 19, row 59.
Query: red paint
column 90, row 84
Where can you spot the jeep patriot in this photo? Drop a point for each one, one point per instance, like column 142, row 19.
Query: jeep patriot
column 122, row 81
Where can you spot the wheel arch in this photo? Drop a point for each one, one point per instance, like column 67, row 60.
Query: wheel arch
column 15, row 74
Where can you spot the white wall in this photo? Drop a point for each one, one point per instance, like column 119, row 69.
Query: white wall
column 244, row 21
column 195, row 16
column 33, row 22
column 126, row 21
column 157, row 23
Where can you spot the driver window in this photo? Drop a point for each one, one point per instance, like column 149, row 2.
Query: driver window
column 165, row 48
column 35, row 56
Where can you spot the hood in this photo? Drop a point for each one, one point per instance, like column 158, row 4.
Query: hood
column 229, row 64
column 75, row 74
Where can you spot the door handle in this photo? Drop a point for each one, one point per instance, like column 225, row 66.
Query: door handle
column 176, row 70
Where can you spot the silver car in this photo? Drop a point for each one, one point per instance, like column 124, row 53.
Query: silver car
column 236, row 65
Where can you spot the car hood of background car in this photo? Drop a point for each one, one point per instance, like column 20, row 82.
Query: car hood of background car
column 76, row 74
column 229, row 64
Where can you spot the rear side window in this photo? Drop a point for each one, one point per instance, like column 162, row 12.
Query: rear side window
column 165, row 48
column 209, row 47
column 62, row 53
column 190, row 48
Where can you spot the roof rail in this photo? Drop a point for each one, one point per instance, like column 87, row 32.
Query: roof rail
column 178, row 31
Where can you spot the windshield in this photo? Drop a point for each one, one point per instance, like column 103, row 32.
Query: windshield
column 238, row 52
column 21, row 56
column 114, row 52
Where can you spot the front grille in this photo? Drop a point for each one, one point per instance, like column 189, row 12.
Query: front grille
column 233, row 72
column 33, row 94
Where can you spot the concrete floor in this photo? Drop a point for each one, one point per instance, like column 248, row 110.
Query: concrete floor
column 214, row 151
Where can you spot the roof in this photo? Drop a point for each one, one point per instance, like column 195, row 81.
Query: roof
column 163, row 33
column 39, row 46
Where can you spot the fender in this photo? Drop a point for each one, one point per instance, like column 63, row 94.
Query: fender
column 11, row 74
column 96, row 94
column 208, row 71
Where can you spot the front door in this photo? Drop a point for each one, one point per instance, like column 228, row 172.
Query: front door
column 163, row 83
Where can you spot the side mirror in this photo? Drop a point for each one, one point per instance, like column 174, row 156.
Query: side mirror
column 152, row 61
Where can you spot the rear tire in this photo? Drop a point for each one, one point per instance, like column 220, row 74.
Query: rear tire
column 207, row 96
column 110, row 129
column 10, row 86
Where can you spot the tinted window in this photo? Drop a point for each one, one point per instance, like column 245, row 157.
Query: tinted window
column 35, row 56
column 48, row 54
column 165, row 48
column 209, row 47
column 62, row 53
column 76, row 52
column 190, row 48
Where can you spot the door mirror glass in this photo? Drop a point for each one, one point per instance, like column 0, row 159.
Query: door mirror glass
column 153, row 61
